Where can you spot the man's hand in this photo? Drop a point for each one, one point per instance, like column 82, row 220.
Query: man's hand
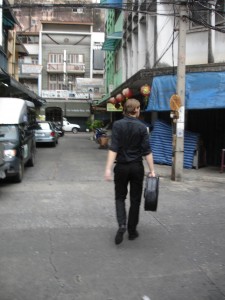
column 151, row 174
column 108, row 175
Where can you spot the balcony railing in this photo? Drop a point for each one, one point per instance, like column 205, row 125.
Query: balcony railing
column 70, row 68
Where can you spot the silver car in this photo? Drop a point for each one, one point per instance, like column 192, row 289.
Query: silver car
column 45, row 133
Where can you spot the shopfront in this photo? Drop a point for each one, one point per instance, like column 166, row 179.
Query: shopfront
column 204, row 108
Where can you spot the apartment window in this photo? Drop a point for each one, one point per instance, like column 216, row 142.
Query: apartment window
column 220, row 9
column 61, row 84
column 200, row 13
column 47, row 13
column 34, row 60
column 71, row 82
column 56, row 82
column 29, row 39
column 98, row 60
column 75, row 58
column 53, row 82
column 78, row 10
column 55, row 58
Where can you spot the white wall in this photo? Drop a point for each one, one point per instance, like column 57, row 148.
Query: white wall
column 33, row 49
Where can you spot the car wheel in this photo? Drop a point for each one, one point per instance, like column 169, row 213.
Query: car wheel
column 54, row 144
column 19, row 176
column 74, row 130
column 31, row 161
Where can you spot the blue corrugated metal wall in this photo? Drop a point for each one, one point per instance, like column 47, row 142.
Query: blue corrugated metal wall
column 161, row 143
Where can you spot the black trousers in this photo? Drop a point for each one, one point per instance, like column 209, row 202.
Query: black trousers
column 131, row 174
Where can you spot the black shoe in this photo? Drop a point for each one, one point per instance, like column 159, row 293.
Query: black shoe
column 119, row 235
column 133, row 235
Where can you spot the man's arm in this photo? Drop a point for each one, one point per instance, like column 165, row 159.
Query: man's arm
column 109, row 163
column 150, row 162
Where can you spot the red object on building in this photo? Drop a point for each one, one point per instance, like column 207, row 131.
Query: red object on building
column 112, row 100
column 127, row 93
column 145, row 90
column 119, row 98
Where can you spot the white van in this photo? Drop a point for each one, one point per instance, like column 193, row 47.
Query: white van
column 67, row 126
column 17, row 123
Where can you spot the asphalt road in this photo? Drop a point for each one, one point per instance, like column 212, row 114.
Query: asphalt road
column 57, row 232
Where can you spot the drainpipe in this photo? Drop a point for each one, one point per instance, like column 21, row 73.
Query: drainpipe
column 65, row 79
column 91, row 53
column 211, row 34
column 40, row 63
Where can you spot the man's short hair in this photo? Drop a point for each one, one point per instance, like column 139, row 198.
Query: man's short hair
column 130, row 105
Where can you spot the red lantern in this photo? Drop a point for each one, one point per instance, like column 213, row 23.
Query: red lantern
column 112, row 100
column 145, row 90
column 119, row 98
column 127, row 93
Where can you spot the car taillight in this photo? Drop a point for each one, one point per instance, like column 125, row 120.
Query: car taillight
column 52, row 133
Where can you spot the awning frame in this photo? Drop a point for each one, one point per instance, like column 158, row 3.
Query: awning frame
column 10, row 87
column 112, row 41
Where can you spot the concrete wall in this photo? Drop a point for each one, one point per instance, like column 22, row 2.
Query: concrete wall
column 155, row 42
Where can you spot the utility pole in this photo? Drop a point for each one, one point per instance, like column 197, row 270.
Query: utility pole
column 65, row 78
column 211, row 34
column 178, row 134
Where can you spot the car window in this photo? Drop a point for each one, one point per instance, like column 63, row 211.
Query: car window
column 8, row 132
column 43, row 126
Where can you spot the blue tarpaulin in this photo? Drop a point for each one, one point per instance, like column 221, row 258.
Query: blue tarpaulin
column 203, row 91
column 161, row 144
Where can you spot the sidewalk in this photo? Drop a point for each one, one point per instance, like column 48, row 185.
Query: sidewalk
column 210, row 174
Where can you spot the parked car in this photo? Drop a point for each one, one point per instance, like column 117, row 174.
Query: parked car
column 69, row 127
column 54, row 114
column 17, row 120
column 58, row 128
column 45, row 133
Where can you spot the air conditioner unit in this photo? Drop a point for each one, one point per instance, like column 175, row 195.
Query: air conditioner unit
column 33, row 22
column 78, row 10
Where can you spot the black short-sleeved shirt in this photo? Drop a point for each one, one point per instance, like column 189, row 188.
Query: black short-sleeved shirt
column 130, row 140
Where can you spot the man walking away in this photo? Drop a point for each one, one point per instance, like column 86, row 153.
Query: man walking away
column 129, row 143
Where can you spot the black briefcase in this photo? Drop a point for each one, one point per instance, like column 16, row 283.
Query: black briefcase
column 151, row 193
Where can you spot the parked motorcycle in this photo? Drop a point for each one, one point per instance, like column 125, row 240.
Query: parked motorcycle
column 98, row 133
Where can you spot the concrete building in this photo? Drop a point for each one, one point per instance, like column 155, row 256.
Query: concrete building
column 64, row 44
column 149, row 50
column 10, row 50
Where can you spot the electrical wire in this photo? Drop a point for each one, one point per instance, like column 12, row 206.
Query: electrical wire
column 174, row 27
column 196, row 11
column 191, row 4
column 158, row 60
column 158, row 35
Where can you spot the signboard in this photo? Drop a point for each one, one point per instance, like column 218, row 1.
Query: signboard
column 65, row 94
column 98, row 108
column 70, row 108
column 89, row 82
column 111, row 107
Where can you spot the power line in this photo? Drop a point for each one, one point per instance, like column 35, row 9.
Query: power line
column 194, row 6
